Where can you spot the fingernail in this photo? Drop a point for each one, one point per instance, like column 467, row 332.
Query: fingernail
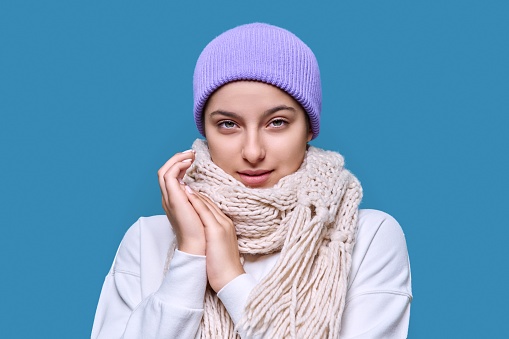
column 187, row 160
column 189, row 190
column 181, row 181
column 187, row 151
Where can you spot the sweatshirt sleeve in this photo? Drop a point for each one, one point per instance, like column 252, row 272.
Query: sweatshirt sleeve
column 234, row 295
column 379, row 294
column 174, row 310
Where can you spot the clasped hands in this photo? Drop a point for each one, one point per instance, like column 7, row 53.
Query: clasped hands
column 200, row 226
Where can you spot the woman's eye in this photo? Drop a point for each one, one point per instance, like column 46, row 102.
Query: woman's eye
column 278, row 123
column 226, row 124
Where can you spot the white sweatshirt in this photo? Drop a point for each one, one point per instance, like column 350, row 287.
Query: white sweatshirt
column 138, row 301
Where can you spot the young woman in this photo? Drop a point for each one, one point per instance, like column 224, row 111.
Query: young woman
column 262, row 236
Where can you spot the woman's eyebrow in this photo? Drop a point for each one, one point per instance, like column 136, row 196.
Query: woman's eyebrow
column 225, row 113
column 265, row 114
column 279, row 108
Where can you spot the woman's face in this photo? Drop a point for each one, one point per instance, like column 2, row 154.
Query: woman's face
column 256, row 132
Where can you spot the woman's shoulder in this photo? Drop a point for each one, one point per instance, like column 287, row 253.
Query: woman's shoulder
column 156, row 228
column 380, row 256
column 374, row 223
column 153, row 232
column 144, row 249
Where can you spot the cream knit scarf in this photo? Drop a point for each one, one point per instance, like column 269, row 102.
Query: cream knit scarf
column 310, row 216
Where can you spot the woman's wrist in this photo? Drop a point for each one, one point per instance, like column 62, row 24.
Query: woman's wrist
column 228, row 275
column 192, row 248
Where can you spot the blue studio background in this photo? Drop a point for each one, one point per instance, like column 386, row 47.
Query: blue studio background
column 95, row 96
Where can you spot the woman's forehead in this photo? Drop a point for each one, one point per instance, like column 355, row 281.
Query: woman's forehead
column 245, row 95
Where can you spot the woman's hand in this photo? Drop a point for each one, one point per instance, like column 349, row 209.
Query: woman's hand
column 182, row 215
column 222, row 249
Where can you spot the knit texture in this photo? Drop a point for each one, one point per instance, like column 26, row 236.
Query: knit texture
column 259, row 52
column 311, row 217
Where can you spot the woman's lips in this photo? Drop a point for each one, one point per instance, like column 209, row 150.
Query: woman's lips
column 254, row 178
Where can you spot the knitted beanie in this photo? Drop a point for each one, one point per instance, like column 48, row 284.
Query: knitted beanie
column 259, row 52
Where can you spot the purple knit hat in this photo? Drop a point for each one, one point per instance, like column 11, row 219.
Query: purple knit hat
column 259, row 52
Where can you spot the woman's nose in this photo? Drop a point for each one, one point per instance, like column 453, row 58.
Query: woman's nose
column 253, row 149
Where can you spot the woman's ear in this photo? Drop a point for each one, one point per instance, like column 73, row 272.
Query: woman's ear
column 310, row 131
